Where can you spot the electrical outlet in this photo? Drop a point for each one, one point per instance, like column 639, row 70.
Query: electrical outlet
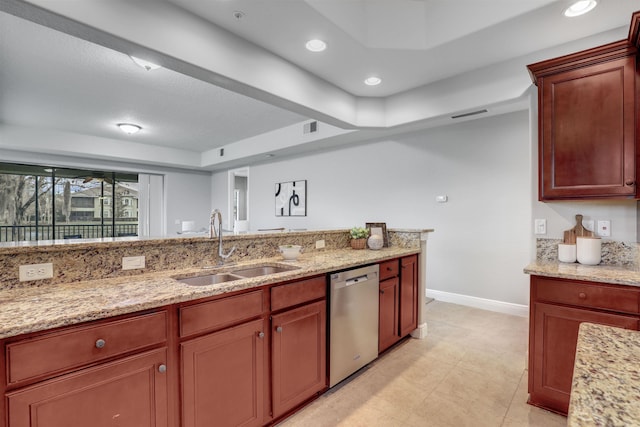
column 35, row 272
column 604, row 228
column 319, row 244
column 133, row 262
column 540, row 226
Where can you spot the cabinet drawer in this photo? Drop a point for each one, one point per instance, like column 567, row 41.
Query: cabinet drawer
column 217, row 314
column 584, row 294
column 77, row 346
column 298, row 292
column 389, row 269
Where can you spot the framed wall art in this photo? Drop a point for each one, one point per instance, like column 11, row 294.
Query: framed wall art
column 291, row 198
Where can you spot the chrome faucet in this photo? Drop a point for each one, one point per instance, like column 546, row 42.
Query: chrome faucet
column 213, row 232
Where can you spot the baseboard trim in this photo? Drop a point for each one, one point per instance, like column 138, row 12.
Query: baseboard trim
column 482, row 303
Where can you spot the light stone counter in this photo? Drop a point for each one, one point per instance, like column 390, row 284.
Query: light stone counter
column 606, row 378
column 618, row 275
column 37, row 308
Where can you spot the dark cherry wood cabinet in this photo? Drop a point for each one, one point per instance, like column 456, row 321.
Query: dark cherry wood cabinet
column 131, row 392
column 398, row 301
column 587, row 138
column 106, row 373
column 299, row 356
column 388, row 330
column 558, row 306
column 408, row 294
column 223, row 377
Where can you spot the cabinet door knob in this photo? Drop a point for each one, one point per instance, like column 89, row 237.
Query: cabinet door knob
column 162, row 368
column 279, row 329
column 582, row 295
column 629, row 182
column 261, row 334
column 382, row 291
column 100, row 343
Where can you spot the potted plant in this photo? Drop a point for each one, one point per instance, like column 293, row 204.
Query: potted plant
column 359, row 237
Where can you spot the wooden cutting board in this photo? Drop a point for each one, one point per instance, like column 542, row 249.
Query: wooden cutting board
column 577, row 231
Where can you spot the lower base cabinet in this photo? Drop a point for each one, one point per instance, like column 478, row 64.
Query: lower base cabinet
column 223, row 376
column 132, row 392
column 299, row 356
column 398, row 301
column 558, row 307
column 389, row 304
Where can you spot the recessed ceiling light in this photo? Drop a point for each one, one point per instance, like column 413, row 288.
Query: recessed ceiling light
column 372, row 81
column 129, row 128
column 316, row 45
column 145, row 64
column 580, row 7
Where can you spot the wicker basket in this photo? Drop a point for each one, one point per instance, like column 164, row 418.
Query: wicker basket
column 358, row 243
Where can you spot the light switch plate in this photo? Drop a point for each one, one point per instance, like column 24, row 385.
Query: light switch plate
column 604, row 228
column 540, row 226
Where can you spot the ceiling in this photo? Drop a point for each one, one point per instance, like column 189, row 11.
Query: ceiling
column 258, row 80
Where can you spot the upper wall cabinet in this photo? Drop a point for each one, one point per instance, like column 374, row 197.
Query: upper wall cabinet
column 587, row 119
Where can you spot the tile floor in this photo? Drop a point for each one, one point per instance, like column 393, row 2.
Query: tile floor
column 469, row 371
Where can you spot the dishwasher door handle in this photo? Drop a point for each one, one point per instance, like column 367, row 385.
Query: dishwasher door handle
column 355, row 280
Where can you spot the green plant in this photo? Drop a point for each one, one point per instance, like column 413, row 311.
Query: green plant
column 359, row 233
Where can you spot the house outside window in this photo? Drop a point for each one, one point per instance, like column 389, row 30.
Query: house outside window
column 45, row 203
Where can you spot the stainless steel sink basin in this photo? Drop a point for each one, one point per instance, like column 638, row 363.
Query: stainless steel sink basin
column 209, row 279
column 263, row 270
column 242, row 273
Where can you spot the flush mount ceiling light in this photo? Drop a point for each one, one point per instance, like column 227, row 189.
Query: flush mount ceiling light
column 316, row 45
column 372, row 81
column 580, row 7
column 129, row 128
column 145, row 64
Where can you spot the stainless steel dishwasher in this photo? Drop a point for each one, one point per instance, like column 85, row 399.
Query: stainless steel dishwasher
column 353, row 321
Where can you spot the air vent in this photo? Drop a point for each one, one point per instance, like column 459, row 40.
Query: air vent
column 473, row 113
column 310, row 127
column 221, row 152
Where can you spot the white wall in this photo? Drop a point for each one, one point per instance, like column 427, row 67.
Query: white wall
column 482, row 235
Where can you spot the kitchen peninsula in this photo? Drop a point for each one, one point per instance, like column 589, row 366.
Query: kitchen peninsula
column 163, row 339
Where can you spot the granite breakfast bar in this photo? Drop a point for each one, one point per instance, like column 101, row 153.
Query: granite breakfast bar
column 606, row 378
column 150, row 349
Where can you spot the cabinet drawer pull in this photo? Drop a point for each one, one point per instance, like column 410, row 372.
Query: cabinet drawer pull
column 162, row 368
column 630, row 182
column 582, row 295
column 279, row 329
column 261, row 334
column 100, row 343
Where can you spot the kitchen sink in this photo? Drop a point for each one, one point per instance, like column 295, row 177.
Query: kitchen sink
column 209, row 279
column 243, row 273
column 263, row 270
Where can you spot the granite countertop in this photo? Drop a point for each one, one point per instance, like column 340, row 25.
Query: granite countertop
column 595, row 273
column 606, row 378
column 32, row 309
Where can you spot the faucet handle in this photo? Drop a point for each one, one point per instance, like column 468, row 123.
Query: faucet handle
column 227, row 255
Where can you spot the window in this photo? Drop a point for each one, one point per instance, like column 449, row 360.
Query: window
column 43, row 203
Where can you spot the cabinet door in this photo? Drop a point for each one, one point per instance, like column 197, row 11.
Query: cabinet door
column 222, row 377
column 408, row 294
column 299, row 355
column 551, row 358
column 587, row 132
column 131, row 392
column 388, row 331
